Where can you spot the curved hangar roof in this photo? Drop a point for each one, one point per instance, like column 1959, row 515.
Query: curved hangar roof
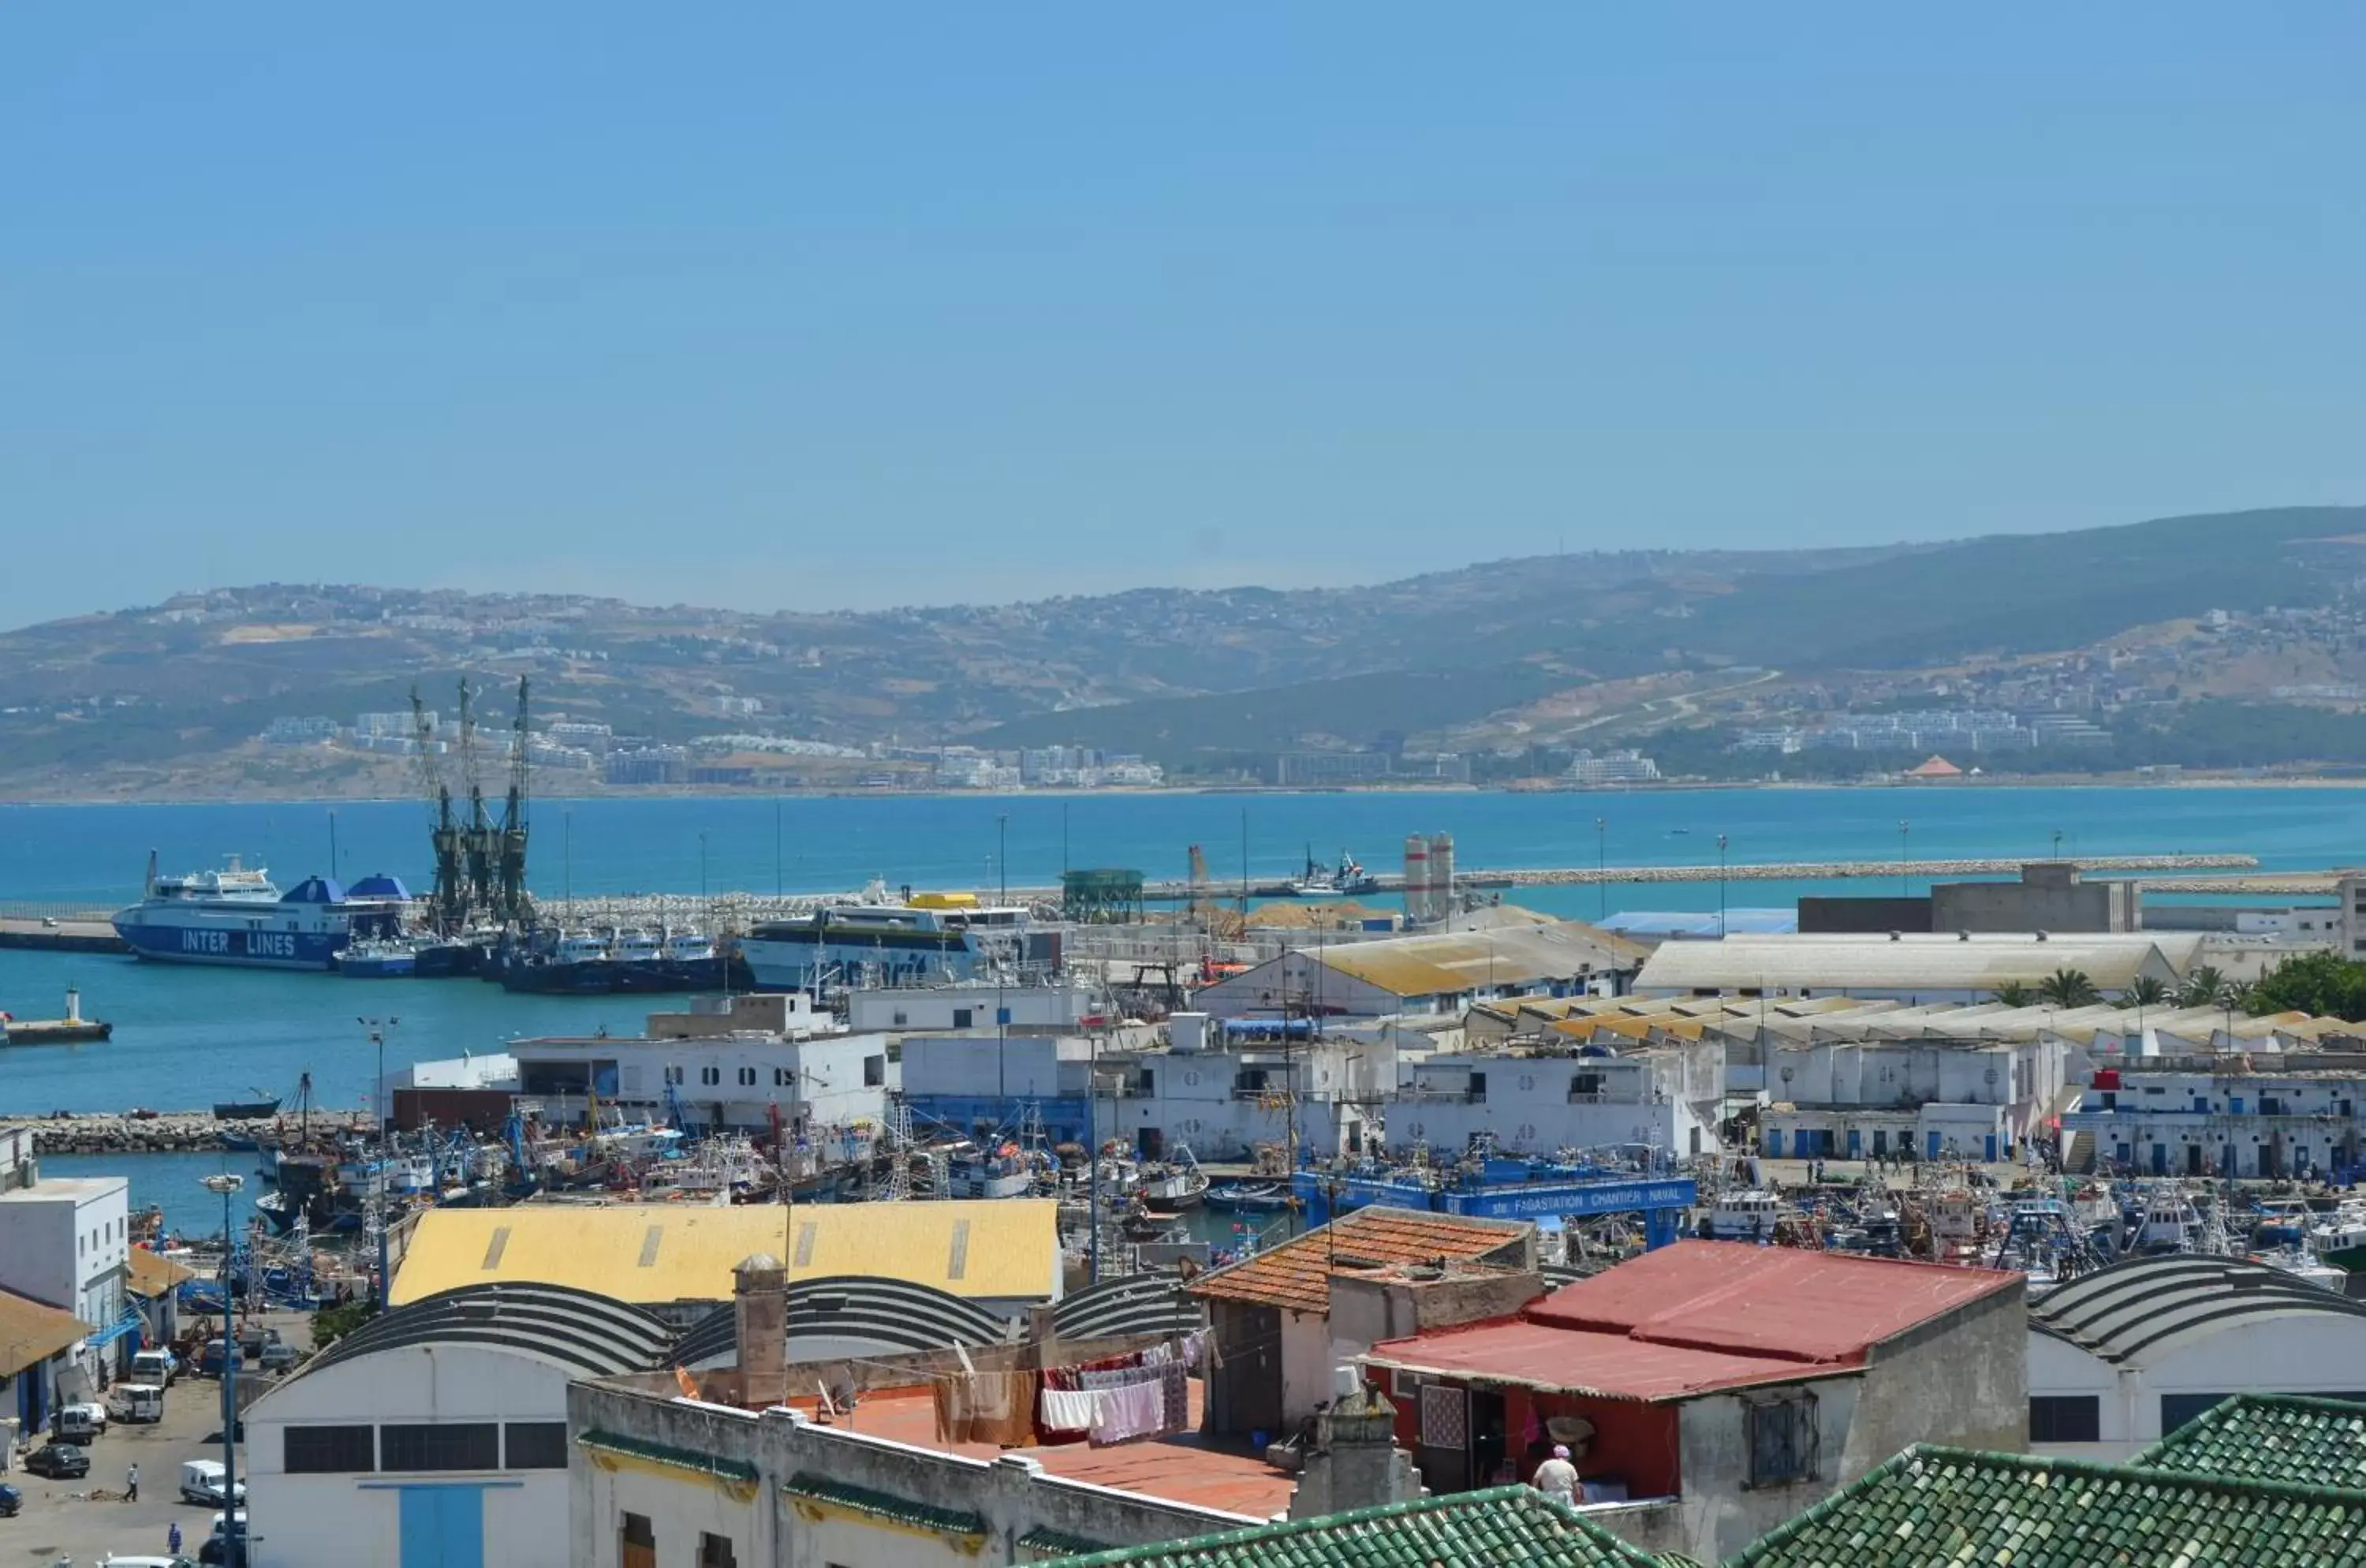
column 590, row 1334
column 2146, row 1304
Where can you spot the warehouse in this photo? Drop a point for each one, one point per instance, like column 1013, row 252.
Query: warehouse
column 1911, row 967
column 1442, row 972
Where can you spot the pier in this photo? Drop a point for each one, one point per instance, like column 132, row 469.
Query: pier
column 163, row 1132
column 80, row 932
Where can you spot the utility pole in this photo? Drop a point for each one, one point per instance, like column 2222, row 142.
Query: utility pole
column 1601, row 863
column 1905, row 860
column 1720, row 887
column 1002, row 852
column 226, row 1184
column 779, row 882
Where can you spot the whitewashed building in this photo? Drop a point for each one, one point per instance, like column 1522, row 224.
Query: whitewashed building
column 2227, row 1114
column 2123, row 1357
column 1927, row 1099
column 945, row 1009
column 1539, row 1098
column 66, row 1242
column 438, row 1433
column 1438, row 972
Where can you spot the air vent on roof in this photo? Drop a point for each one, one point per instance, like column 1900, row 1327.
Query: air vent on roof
column 650, row 1244
column 805, row 1244
column 494, row 1247
column 958, row 1265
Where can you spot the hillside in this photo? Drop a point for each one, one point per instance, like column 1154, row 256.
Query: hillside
column 171, row 697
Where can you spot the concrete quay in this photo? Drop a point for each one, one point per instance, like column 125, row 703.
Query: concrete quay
column 158, row 1133
column 56, row 935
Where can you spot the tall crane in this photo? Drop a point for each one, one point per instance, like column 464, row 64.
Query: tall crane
column 512, row 905
column 447, row 905
column 478, row 847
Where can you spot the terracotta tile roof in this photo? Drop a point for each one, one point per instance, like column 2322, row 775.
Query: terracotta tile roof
column 2270, row 1437
column 1949, row 1506
column 31, row 1333
column 152, row 1274
column 1297, row 1274
column 1505, row 1527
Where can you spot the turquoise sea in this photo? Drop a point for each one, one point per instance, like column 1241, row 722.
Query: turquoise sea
column 187, row 1037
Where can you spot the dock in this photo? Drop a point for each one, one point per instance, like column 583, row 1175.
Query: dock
column 165, row 1132
column 52, row 934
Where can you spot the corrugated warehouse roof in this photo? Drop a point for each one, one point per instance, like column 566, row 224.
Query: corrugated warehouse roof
column 31, row 1333
column 1297, row 1274
column 150, row 1274
column 1442, row 963
column 1907, row 964
column 1000, row 1248
column 2147, row 1303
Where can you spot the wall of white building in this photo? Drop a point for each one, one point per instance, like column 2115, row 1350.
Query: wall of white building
column 829, row 1080
column 2284, row 1354
column 2269, row 1122
column 925, row 1008
column 1666, row 1098
column 356, row 1518
column 66, row 1242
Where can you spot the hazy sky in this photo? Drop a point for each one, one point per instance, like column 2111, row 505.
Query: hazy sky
column 858, row 305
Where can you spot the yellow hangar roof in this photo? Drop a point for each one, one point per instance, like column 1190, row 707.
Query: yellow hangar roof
column 998, row 1248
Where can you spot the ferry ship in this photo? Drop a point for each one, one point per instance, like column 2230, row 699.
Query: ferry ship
column 929, row 939
column 236, row 917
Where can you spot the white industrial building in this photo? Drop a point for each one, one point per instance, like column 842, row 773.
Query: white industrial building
column 1221, row 1089
column 2227, row 1115
column 943, row 1009
column 1435, row 972
column 1541, row 1097
column 738, row 1063
column 1910, row 967
column 1964, row 1098
column 2121, row 1357
column 66, row 1242
column 438, row 1433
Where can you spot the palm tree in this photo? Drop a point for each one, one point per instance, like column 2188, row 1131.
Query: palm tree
column 2013, row 994
column 2205, row 987
column 2145, row 991
column 2068, row 988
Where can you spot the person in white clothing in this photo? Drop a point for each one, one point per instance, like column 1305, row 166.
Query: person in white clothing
column 1557, row 1477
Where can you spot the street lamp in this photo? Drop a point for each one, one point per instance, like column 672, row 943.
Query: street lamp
column 1904, row 858
column 702, row 867
column 1720, row 887
column 227, row 1183
column 377, row 1033
column 2058, row 844
column 1002, row 852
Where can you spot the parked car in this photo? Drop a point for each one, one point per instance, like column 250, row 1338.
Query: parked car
column 10, row 1501
column 228, row 1543
column 201, row 1482
column 58, row 1462
column 138, row 1404
column 279, row 1356
column 79, row 1423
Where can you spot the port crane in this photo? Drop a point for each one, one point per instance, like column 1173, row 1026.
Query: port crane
column 447, row 902
column 480, row 860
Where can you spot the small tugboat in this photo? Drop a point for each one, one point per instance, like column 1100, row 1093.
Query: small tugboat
column 378, row 960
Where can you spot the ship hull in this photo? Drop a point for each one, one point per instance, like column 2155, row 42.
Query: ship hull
column 231, row 948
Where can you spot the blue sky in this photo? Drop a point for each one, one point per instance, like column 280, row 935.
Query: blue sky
column 808, row 307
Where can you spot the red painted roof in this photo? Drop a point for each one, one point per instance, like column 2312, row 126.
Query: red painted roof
column 1765, row 1301
column 1297, row 1274
column 1702, row 1315
column 1610, row 1365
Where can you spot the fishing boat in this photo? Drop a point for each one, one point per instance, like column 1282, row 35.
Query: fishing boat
column 1176, row 1183
column 245, row 1110
column 1247, row 1197
column 1747, row 1214
column 378, row 960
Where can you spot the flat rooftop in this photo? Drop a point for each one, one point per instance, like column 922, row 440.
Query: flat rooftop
column 58, row 1188
column 1189, row 1469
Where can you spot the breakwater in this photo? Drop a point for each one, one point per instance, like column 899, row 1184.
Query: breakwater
column 162, row 1132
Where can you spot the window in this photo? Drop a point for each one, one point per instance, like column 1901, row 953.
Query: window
column 780, row 1077
column 715, row 1552
column 328, row 1450
column 1149, row 1084
column 2066, row 1418
column 962, row 1017
column 747, row 1077
column 1783, row 1440
column 710, row 1075
column 637, row 1542
column 473, row 1445
column 674, row 1075
column 875, row 1071
column 534, row 1445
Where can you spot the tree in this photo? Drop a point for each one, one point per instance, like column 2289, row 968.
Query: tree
column 2013, row 994
column 2325, row 984
column 2205, row 987
column 2146, row 991
column 2068, row 988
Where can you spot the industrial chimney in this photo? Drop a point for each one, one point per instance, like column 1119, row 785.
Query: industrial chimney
column 1416, row 879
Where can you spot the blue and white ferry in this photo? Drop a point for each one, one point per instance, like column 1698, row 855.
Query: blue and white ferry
column 236, row 916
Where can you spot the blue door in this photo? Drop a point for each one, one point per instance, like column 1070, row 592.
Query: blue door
column 2160, row 1159
column 443, row 1526
column 1991, row 1153
column 1853, row 1153
column 1935, row 1145
column 1774, row 1142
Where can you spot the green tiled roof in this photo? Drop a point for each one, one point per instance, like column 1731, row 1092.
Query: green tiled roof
column 884, row 1506
column 2270, row 1437
column 1060, row 1543
column 659, row 1453
column 1506, row 1527
column 1953, row 1507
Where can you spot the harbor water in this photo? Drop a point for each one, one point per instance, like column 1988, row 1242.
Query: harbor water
column 187, row 1037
